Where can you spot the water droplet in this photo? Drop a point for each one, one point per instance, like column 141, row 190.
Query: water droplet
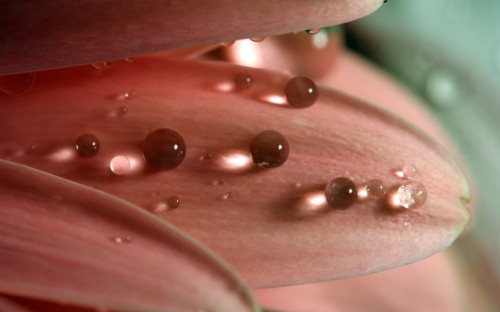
column 120, row 165
column 174, row 202
column 87, row 145
column 409, row 195
column 341, row 193
column 206, row 156
column 243, row 81
column 301, row 184
column 406, row 223
column 103, row 65
column 122, row 110
column 126, row 96
column 121, row 239
column 164, row 149
column 17, row 84
column 227, row 196
column 313, row 31
column 301, row 92
column 373, row 189
column 409, row 171
column 269, row 149
column 258, row 39
column 218, row 182
column 129, row 59
column 443, row 89
column 227, row 43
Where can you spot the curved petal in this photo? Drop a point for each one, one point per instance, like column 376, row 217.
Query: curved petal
column 62, row 241
column 428, row 285
column 241, row 212
column 40, row 35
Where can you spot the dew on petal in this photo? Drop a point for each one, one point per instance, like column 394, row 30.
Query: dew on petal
column 206, row 156
column 217, row 182
column 120, row 165
column 128, row 95
column 173, row 202
column 407, row 172
column 371, row 190
column 129, row 59
column 227, row 196
column 243, row 81
column 301, row 92
column 313, row 31
column 227, row 43
column 17, row 84
column 406, row 223
column 121, row 239
column 341, row 193
column 103, row 65
column 164, row 149
column 258, row 39
column 87, row 145
column 409, row 195
column 122, row 110
column 269, row 149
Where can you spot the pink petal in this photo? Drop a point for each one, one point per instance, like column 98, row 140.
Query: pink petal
column 267, row 229
column 36, row 36
column 7, row 305
column 65, row 242
column 429, row 285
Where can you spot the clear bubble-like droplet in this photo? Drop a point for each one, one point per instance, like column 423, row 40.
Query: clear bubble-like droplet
column 243, row 81
column 174, row 202
column 120, row 165
column 313, row 31
column 409, row 195
column 17, row 84
column 341, row 193
column 373, row 189
column 269, row 149
column 87, row 145
column 301, row 92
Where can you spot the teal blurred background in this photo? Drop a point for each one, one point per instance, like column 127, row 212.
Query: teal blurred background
column 448, row 52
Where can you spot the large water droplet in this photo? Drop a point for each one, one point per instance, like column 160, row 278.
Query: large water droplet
column 409, row 195
column 373, row 189
column 243, row 81
column 120, row 165
column 341, row 193
column 17, row 84
column 87, row 145
column 103, row 65
column 269, row 149
column 164, row 149
column 301, row 92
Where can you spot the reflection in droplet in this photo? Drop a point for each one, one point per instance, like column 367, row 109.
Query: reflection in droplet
column 103, row 65
column 120, row 165
column 17, row 84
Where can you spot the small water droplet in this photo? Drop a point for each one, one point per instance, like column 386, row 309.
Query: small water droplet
column 313, row 31
column 87, row 145
column 17, row 84
column 206, row 156
column 129, row 59
column 174, row 202
column 227, row 196
column 409, row 171
column 217, row 182
column 103, row 65
column 341, row 193
column 120, row 165
column 121, row 239
column 227, row 43
column 258, row 39
column 243, row 81
column 301, row 184
column 373, row 189
column 122, row 110
column 128, row 95
column 269, row 149
column 407, row 223
column 164, row 149
column 301, row 92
